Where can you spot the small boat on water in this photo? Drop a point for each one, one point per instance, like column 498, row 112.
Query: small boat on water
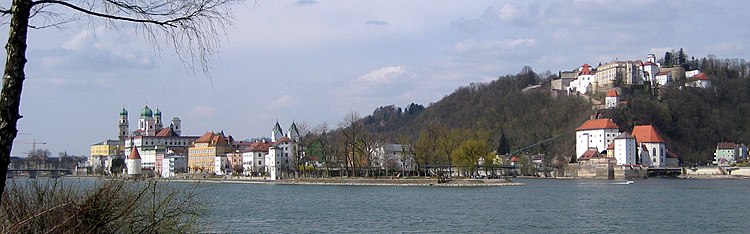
column 629, row 182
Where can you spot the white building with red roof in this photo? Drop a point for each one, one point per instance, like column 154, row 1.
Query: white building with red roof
column 612, row 99
column 254, row 157
column 584, row 80
column 698, row 80
column 595, row 134
column 133, row 163
column 652, row 147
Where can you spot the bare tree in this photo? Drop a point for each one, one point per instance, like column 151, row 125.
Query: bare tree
column 426, row 148
column 192, row 27
column 352, row 131
column 368, row 146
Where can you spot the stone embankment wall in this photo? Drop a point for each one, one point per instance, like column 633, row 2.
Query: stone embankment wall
column 716, row 171
column 606, row 171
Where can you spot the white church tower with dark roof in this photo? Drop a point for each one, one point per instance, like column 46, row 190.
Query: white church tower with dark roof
column 293, row 132
column 276, row 132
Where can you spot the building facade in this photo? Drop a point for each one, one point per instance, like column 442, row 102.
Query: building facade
column 649, row 140
column 202, row 154
column 625, row 149
column 595, row 134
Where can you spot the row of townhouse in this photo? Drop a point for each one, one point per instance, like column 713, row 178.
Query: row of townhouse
column 158, row 150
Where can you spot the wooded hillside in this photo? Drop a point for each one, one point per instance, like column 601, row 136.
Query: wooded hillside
column 692, row 120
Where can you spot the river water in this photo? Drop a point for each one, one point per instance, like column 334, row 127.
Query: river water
column 551, row 206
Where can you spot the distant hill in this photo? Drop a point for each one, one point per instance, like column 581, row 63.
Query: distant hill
column 692, row 120
column 514, row 105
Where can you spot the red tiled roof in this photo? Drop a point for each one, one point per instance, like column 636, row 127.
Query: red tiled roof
column 134, row 153
column 166, row 132
column 646, row 134
column 611, row 146
column 585, row 70
column 700, row 76
column 726, row 145
column 589, row 154
column 612, row 93
column 212, row 138
column 648, row 63
column 282, row 140
column 259, row 146
column 663, row 73
column 597, row 124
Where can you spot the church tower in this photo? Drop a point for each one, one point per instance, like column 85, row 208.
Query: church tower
column 146, row 124
column 293, row 132
column 276, row 132
column 176, row 126
column 123, row 133
column 157, row 120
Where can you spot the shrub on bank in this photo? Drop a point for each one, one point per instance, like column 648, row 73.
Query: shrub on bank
column 109, row 206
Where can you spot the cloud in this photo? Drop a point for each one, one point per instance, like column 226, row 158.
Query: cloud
column 472, row 45
column 78, row 41
column 283, row 101
column 203, row 111
column 376, row 22
column 383, row 74
column 99, row 50
column 507, row 14
column 305, row 2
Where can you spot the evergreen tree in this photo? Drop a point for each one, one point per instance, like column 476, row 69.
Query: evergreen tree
column 681, row 57
column 503, row 148
column 668, row 59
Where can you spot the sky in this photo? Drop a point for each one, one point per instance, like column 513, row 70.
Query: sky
column 313, row 62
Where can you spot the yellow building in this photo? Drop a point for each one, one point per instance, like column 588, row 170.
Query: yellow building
column 102, row 151
column 107, row 148
column 202, row 155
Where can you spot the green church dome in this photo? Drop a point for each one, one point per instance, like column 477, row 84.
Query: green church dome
column 157, row 113
column 124, row 112
column 146, row 112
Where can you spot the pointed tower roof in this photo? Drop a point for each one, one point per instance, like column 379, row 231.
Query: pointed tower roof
column 277, row 128
column 293, row 129
column 585, row 69
column 134, row 153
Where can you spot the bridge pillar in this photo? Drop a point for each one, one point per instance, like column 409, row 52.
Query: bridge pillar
column 32, row 174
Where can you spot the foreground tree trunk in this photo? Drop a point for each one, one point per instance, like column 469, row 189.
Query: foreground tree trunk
column 10, row 98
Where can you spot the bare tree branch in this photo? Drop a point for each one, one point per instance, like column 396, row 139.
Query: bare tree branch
column 108, row 16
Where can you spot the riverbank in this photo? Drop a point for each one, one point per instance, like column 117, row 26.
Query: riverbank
column 365, row 182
